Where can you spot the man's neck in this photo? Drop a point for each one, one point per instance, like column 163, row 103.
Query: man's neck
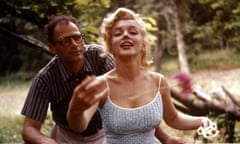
column 74, row 68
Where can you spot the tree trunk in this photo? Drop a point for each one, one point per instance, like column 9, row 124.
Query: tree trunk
column 158, row 51
column 183, row 63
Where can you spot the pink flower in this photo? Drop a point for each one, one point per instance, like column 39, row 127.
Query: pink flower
column 185, row 82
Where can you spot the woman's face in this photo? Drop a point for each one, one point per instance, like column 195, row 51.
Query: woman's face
column 126, row 38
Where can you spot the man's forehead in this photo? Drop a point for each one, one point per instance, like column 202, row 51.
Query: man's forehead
column 66, row 29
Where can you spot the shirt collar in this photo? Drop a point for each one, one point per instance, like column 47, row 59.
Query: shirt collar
column 66, row 74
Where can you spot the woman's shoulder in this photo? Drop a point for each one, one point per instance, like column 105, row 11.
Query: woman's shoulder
column 159, row 77
column 156, row 74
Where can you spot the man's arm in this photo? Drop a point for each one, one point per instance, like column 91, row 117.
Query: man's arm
column 167, row 139
column 32, row 135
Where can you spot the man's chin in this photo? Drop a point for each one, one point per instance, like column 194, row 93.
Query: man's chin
column 78, row 58
column 75, row 58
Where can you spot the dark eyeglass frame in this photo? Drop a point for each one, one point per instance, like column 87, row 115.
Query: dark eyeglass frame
column 66, row 41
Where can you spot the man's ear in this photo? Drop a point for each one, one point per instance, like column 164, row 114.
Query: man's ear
column 52, row 48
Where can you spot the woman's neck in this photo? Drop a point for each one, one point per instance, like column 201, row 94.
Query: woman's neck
column 128, row 70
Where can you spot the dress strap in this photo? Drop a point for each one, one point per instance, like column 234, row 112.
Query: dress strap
column 159, row 82
column 107, row 84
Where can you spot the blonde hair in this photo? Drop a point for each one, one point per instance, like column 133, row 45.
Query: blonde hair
column 124, row 14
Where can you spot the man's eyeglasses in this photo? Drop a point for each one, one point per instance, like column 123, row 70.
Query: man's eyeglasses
column 66, row 41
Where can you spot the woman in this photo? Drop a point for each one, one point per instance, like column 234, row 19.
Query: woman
column 136, row 100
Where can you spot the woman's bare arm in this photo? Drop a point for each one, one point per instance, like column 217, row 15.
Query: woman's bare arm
column 84, row 103
column 175, row 119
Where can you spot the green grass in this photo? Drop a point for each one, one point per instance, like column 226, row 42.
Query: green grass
column 215, row 59
column 10, row 128
column 13, row 93
column 224, row 59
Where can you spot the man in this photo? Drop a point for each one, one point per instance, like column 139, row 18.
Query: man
column 55, row 84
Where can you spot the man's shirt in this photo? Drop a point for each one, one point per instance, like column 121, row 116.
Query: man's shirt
column 54, row 85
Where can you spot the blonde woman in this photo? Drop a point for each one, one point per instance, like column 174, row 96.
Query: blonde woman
column 134, row 100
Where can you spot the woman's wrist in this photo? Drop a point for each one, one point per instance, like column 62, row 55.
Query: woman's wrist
column 205, row 121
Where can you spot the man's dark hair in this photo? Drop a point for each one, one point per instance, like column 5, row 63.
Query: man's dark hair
column 49, row 28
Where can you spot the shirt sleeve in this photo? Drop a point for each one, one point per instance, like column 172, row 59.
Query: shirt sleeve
column 108, row 63
column 99, row 62
column 37, row 101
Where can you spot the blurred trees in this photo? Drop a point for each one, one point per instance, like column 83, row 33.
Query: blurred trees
column 187, row 27
column 178, row 28
column 21, row 29
column 221, row 25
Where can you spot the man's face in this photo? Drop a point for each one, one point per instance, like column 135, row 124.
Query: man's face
column 68, row 43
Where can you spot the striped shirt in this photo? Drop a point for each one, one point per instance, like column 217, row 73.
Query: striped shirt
column 54, row 85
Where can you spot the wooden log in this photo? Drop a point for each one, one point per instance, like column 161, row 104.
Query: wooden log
column 202, row 106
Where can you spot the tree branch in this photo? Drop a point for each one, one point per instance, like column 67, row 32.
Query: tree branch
column 26, row 14
column 233, row 99
column 27, row 40
column 202, row 107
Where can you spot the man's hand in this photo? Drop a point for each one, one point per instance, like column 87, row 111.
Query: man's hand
column 31, row 133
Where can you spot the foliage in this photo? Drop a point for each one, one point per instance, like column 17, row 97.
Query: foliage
column 10, row 128
column 217, row 27
column 83, row 10
column 28, row 18
column 18, row 77
column 48, row 124
column 223, row 25
column 225, row 123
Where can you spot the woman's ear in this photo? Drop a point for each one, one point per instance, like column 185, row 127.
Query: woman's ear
column 52, row 48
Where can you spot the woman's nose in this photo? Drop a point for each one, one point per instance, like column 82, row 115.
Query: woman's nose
column 125, row 34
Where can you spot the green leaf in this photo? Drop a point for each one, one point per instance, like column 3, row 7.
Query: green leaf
column 151, row 23
column 91, row 29
column 106, row 3
column 216, row 5
column 35, row 8
column 83, row 2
